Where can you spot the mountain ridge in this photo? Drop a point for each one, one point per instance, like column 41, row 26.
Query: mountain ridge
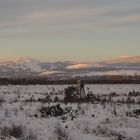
column 29, row 67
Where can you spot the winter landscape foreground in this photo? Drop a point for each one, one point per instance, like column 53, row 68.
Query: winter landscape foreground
column 44, row 112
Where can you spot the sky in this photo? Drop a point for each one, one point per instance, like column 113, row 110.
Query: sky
column 69, row 30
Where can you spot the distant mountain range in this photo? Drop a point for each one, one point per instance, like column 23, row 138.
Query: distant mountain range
column 29, row 67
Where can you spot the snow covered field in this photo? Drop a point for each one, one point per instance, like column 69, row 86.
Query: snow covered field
column 113, row 119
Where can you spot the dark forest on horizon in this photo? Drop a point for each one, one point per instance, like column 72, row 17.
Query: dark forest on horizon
column 113, row 79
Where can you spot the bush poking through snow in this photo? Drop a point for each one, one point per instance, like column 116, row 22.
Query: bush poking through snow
column 135, row 113
column 71, row 94
column 53, row 111
column 29, row 135
column 16, row 131
column 92, row 98
column 1, row 99
column 60, row 133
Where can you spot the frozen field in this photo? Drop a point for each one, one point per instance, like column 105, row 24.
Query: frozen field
column 115, row 117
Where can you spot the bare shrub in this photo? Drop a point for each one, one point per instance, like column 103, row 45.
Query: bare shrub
column 29, row 135
column 7, row 113
column 71, row 94
column 14, row 130
column 2, row 99
column 53, row 111
column 60, row 133
column 17, row 131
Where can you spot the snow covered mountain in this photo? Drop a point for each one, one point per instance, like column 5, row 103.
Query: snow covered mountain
column 28, row 67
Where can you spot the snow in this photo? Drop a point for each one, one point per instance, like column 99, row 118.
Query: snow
column 125, row 59
column 115, row 72
column 28, row 63
column 93, row 121
column 50, row 72
column 78, row 66
column 121, row 66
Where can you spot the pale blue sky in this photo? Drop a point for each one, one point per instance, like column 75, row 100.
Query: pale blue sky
column 77, row 30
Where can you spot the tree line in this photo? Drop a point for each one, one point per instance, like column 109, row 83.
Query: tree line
column 117, row 79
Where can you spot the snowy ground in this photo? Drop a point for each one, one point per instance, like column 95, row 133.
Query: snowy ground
column 92, row 121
